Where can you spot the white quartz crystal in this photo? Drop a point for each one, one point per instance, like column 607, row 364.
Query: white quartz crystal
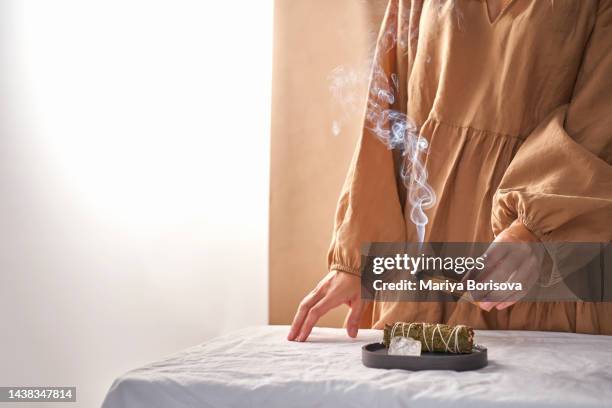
column 404, row 346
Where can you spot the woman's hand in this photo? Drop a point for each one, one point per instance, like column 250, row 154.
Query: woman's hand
column 335, row 289
column 513, row 256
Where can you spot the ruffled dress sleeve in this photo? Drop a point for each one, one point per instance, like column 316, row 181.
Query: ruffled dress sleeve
column 559, row 184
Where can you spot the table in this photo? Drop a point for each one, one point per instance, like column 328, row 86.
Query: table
column 258, row 367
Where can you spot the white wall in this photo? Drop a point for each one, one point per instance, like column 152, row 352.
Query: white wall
column 133, row 182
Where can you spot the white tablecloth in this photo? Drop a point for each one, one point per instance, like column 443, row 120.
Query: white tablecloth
column 259, row 367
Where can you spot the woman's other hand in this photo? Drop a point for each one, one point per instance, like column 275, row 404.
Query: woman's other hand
column 335, row 289
column 514, row 256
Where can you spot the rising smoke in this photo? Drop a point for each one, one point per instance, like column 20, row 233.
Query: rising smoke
column 387, row 120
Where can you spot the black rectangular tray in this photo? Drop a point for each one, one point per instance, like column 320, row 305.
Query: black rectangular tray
column 375, row 355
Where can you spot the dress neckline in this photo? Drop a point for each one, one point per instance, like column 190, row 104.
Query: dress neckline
column 505, row 5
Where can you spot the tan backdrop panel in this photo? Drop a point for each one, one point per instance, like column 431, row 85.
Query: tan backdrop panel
column 317, row 44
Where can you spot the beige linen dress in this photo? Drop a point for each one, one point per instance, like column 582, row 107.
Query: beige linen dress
column 518, row 115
